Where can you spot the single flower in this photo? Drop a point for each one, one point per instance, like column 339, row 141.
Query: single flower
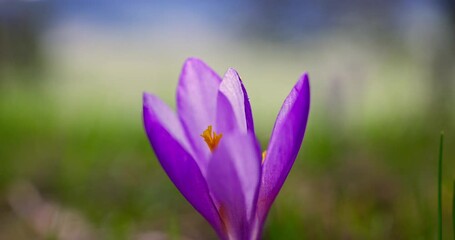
column 210, row 152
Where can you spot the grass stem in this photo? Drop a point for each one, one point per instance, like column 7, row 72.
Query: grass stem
column 440, row 187
column 453, row 210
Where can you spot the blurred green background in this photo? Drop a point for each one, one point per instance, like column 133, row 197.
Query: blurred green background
column 75, row 162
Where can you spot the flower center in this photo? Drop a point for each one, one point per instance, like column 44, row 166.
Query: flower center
column 211, row 138
column 264, row 153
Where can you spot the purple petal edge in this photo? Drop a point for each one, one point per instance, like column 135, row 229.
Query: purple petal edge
column 161, row 125
column 233, row 179
column 196, row 104
column 284, row 144
column 238, row 114
column 248, row 112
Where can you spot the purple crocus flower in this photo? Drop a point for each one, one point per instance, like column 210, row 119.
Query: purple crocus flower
column 210, row 152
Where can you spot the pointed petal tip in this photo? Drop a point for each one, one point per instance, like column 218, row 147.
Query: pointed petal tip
column 303, row 86
column 146, row 97
column 232, row 70
column 232, row 73
column 150, row 99
column 193, row 61
column 304, row 80
column 198, row 67
column 306, row 84
column 305, row 75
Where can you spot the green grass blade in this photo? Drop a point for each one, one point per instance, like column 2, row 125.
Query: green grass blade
column 453, row 210
column 440, row 187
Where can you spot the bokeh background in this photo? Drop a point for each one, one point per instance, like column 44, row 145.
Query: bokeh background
column 75, row 162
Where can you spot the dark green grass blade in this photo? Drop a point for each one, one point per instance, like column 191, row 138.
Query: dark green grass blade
column 440, row 186
column 453, row 210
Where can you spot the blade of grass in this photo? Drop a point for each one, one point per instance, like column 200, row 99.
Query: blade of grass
column 453, row 210
column 441, row 141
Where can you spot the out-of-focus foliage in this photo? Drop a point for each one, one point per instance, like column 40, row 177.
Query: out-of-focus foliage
column 75, row 162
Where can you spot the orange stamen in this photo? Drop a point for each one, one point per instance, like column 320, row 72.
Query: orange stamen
column 211, row 138
column 264, row 153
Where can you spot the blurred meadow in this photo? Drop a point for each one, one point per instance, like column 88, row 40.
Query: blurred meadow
column 75, row 162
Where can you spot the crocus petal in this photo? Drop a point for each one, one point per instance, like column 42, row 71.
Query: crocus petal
column 233, row 177
column 196, row 104
column 284, row 144
column 166, row 136
column 233, row 106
